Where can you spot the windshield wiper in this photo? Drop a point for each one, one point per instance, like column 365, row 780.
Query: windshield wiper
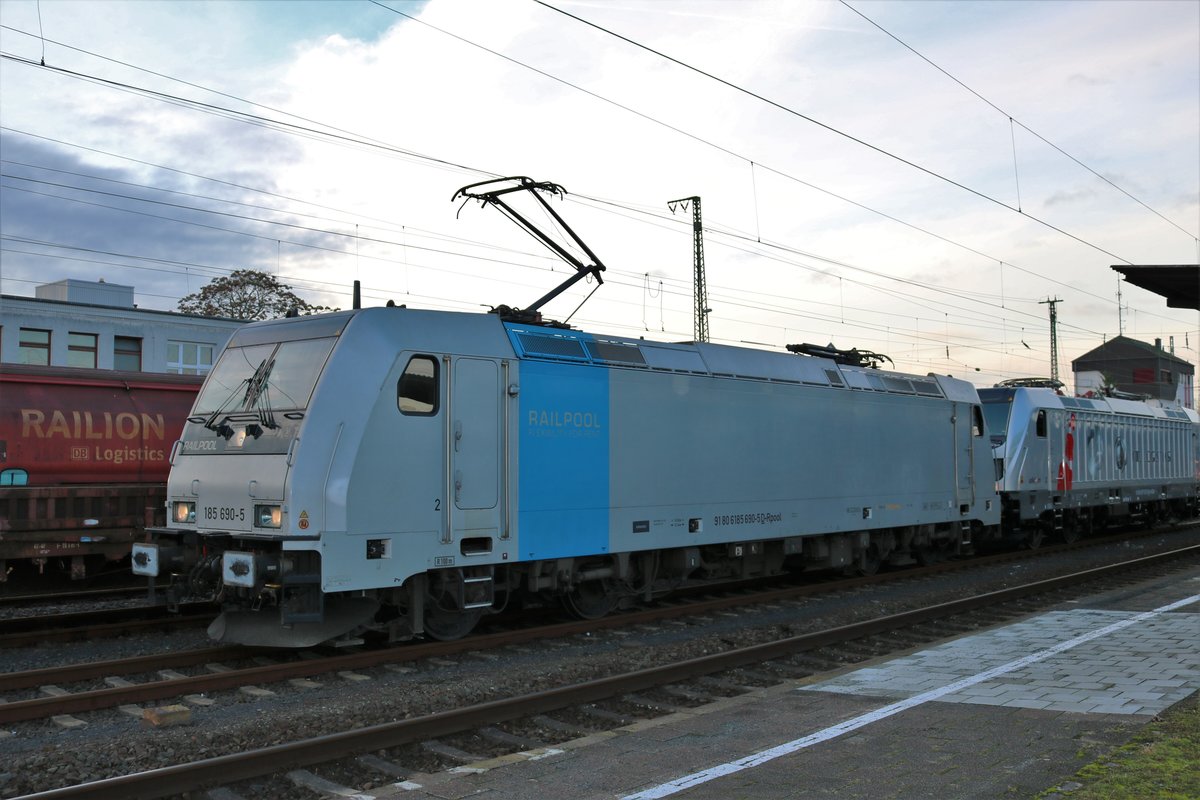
column 258, row 395
column 249, row 401
column 256, row 384
column 252, row 391
column 222, row 428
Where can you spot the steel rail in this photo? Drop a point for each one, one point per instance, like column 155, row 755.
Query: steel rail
column 41, row 707
column 76, row 594
column 223, row 770
column 90, row 670
column 99, row 699
column 98, row 630
column 42, row 623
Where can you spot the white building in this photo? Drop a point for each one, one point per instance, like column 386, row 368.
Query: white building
column 95, row 325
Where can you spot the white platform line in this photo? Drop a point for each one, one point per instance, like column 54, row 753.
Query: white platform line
column 763, row 756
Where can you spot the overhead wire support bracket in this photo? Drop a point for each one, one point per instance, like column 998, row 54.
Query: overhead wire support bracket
column 495, row 196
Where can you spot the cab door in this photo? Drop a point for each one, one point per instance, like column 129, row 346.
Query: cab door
column 415, row 471
column 475, row 437
column 968, row 424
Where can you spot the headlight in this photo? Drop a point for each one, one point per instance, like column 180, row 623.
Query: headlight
column 268, row 516
column 183, row 511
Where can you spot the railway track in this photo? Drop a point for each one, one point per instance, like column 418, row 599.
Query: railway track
column 618, row 698
column 30, row 591
column 22, row 631
column 98, row 623
column 122, row 683
column 53, row 595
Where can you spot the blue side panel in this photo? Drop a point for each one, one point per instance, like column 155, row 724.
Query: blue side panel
column 564, row 451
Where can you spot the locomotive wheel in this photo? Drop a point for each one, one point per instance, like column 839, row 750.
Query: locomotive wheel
column 446, row 626
column 870, row 562
column 591, row 600
column 1071, row 533
column 933, row 554
column 1034, row 538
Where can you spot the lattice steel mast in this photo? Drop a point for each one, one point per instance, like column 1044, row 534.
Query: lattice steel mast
column 1053, row 335
column 700, row 331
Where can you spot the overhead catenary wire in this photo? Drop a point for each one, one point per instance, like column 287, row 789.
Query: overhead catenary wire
column 335, row 250
column 750, row 162
column 651, row 212
column 748, row 159
column 329, row 130
column 356, row 215
column 351, row 139
column 1012, row 122
column 358, row 237
column 748, row 306
column 837, row 131
column 781, row 247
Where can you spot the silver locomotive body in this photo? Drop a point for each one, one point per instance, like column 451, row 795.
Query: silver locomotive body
column 1073, row 464
column 406, row 471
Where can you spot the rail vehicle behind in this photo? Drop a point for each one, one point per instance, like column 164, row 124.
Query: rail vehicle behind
column 406, row 471
column 84, row 456
column 1072, row 465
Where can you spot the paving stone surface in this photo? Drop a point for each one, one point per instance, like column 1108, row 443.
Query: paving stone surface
column 1003, row 713
column 1141, row 669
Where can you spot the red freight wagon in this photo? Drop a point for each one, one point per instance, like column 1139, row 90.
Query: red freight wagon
column 84, row 456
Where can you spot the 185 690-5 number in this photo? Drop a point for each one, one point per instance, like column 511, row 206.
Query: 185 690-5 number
column 224, row 514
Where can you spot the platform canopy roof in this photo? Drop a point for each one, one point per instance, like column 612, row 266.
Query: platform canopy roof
column 1179, row 283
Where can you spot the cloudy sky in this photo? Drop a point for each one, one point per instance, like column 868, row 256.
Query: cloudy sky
column 912, row 178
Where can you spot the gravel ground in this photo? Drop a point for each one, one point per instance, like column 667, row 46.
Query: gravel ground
column 51, row 606
column 40, row 756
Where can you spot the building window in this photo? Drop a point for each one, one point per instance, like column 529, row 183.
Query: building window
column 189, row 358
column 35, row 347
column 127, row 353
column 81, row 350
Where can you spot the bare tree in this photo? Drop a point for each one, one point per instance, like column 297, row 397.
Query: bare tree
column 247, row 294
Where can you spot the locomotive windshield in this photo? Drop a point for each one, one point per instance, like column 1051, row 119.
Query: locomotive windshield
column 264, row 377
column 996, row 405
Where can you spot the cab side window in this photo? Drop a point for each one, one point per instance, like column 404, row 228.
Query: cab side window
column 417, row 391
column 1041, row 424
column 976, row 421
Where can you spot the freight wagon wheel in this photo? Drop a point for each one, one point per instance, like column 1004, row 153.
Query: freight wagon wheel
column 591, row 599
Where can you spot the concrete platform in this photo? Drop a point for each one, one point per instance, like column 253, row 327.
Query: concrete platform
column 1006, row 712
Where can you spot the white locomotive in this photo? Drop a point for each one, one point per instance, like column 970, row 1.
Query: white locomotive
column 405, row 472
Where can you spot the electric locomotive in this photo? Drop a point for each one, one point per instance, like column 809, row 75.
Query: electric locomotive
column 405, row 471
column 1069, row 466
